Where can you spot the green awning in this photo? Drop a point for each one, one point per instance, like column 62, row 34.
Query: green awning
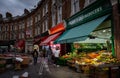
column 81, row 32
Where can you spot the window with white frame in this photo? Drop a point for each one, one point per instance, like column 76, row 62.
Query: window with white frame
column 91, row 1
column 28, row 22
column 12, row 27
column 39, row 17
column 22, row 24
column 6, row 27
column 35, row 31
column 44, row 10
column 19, row 36
column 39, row 30
column 74, row 6
column 15, row 26
column 53, row 2
column 53, row 20
column 88, row 2
column 35, row 19
column 31, row 21
column 46, row 7
column 22, row 34
column 46, row 24
column 30, row 33
column 42, row 27
column 59, row 14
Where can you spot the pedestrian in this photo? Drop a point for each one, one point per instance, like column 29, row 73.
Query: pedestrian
column 44, row 53
column 35, row 56
column 56, row 53
column 49, row 55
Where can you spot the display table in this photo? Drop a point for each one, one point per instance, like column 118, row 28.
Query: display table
column 26, row 60
column 110, row 68
column 71, row 63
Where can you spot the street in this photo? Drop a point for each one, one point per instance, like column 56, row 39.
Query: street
column 43, row 70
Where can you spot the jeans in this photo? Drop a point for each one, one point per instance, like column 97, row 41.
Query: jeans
column 35, row 60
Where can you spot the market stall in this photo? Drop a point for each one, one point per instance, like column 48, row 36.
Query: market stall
column 13, row 61
column 91, row 36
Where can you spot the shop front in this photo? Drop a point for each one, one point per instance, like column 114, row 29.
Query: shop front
column 54, row 33
column 91, row 33
column 20, row 45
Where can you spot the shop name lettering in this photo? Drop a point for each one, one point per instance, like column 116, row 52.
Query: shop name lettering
column 82, row 17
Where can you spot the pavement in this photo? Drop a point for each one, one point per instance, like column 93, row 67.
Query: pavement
column 43, row 70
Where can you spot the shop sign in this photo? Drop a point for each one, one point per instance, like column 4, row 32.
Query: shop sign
column 82, row 17
column 59, row 27
column 95, row 10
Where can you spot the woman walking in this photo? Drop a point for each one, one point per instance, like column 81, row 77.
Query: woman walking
column 35, row 56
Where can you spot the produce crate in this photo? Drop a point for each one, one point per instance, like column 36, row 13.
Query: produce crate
column 85, row 69
column 98, row 73
column 115, row 72
column 26, row 60
column 71, row 63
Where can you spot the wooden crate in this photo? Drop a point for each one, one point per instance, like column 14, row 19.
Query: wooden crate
column 26, row 60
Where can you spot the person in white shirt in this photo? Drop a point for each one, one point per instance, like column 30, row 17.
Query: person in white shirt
column 56, row 53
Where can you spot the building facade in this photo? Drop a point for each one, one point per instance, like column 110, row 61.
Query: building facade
column 45, row 15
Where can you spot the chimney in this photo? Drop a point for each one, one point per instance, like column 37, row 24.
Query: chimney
column 8, row 15
column 1, row 17
column 26, row 11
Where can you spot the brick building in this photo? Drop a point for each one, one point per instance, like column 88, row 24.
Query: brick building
column 47, row 14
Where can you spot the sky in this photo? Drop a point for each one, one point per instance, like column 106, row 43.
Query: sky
column 16, row 7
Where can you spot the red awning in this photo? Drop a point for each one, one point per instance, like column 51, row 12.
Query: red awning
column 40, row 39
column 59, row 27
column 50, row 38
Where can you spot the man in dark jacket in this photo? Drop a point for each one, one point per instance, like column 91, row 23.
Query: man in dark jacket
column 35, row 56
